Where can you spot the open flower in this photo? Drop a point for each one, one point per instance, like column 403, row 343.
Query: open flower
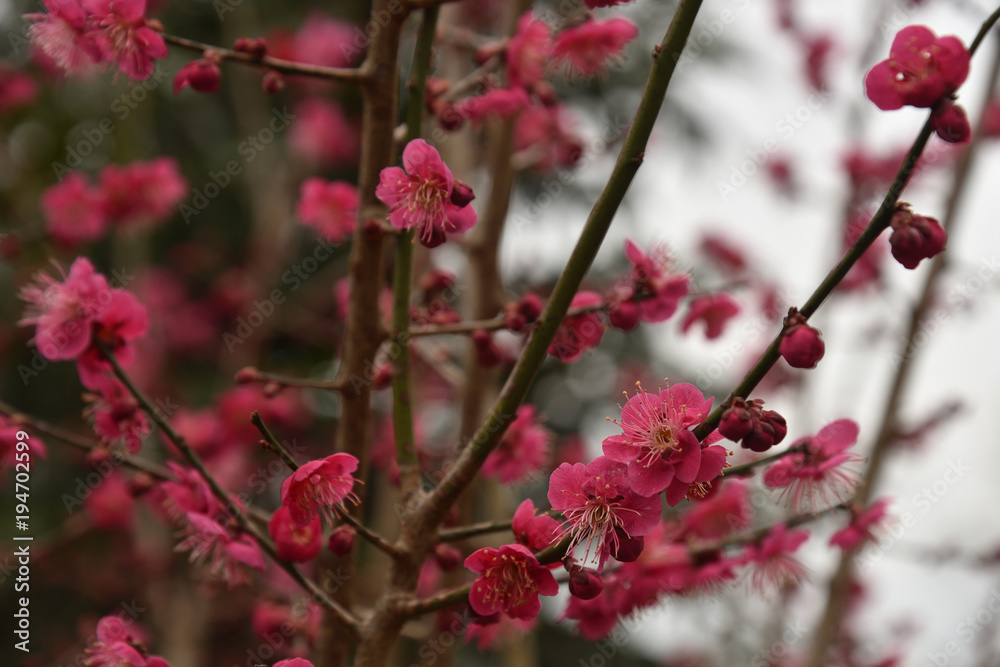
column 862, row 525
column 319, row 486
column 603, row 512
column 534, row 532
column 293, row 541
column 331, row 208
column 115, row 646
column 657, row 444
column 771, row 560
column 420, row 195
column 816, row 476
column 589, row 47
column 920, row 70
column 712, row 309
column 227, row 555
column 510, row 581
column 652, row 277
column 578, row 333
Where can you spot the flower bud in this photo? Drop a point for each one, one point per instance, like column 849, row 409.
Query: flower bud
column 273, row 82
column 584, row 583
column 247, row 375
column 737, row 421
column 950, row 122
column 461, row 194
column 801, row 345
column 530, row 305
column 341, row 540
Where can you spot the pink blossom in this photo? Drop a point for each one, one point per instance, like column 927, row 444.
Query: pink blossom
column 123, row 35
column 496, row 634
column 64, row 35
column 295, row 542
column 772, row 564
column 293, row 662
column 63, row 312
column 534, row 532
column 818, row 49
column 529, row 51
column 720, row 515
column 190, row 493
column 523, row 449
column 142, row 193
column 117, row 415
column 322, row 134
column 510, row 581
column 548, row 131
column 420, row 195
column 816, row 477
column 117, row 325
column 17, row 89
column 319, row 486
column 587, row 48
column 202, row 75
column 595, row 618
column 861, row 527
column 656, row 443
column 660, row 288
column 712, row 309
column 714, row 458
column 578, row 333
column 110, row 504
column 495, row 104
column 725, row 252
column 603, row 512
column 921, row 69
column 331, row 208
column 73, row 211
column 115, row 646
column 228, row 555
column 325, row 41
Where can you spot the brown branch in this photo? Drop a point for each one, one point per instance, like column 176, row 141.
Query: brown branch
column 343, row 74
column 250, row 374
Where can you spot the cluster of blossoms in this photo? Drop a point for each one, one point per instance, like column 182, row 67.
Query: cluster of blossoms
column 915, row 237
column 136, row 195
column 78, row 34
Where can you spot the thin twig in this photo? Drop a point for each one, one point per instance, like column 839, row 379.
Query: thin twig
column 342, row 74
column 345, row 616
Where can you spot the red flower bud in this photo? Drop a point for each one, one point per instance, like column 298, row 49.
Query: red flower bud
column 202, row 75
column 737, row 421
column 530, row 305
column 628, row 548
column 247, row 375
column 256, row 47
column 461, row 194
column 341, row 540
column 273, row 82
column 583, row 583
column 915, row 237
column 801, row 345
column 950, row 122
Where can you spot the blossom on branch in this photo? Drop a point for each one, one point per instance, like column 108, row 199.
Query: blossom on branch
column 817, row 476
column 420, row 195
column 319, row 486
column 510, row 581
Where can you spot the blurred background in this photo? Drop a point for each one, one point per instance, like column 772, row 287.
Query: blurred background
column 766, row 154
